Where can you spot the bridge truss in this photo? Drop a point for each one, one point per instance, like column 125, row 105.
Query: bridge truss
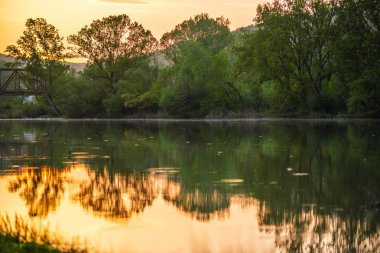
column 14, row 83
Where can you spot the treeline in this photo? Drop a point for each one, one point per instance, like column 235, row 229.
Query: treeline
column 301, row 57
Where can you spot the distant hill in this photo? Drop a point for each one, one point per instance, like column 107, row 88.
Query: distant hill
column 246, row 29
column 5, row 58
column 76, row 66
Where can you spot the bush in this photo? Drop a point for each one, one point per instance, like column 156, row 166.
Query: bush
column 75, row 97
column 200, row 83
column 364, row 98
column 268, row 95
column 16, row 108
column 139, row 87
column 114, row 105
column 32, row 110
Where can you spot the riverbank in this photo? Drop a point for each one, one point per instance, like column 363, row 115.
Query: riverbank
column 12, row 244
column 20, row 235
column 239, row 116
column 184, row 119
column 117, row 184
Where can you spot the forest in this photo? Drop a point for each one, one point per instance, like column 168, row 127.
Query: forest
column 299, row 58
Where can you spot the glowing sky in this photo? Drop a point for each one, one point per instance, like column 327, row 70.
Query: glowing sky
column 158, row 16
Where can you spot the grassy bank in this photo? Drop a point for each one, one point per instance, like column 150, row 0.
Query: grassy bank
column 22, row 235
column 11, row 244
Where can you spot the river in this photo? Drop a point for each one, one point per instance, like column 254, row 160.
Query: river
column 196, row 186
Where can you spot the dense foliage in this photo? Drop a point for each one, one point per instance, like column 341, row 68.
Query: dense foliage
column 315, row 56
column 301, row 58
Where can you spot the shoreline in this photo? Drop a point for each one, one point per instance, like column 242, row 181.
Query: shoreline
column 268, row 119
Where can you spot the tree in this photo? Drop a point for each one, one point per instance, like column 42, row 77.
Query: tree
column 40, row 49
column 214, row 34
column 139, row 87
column 77, row 97
column 357, row 56
column 112, row 44
column 292, row 46
column 199, row 83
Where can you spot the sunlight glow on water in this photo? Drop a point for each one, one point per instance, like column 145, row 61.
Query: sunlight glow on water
column 108, row 225
column 308, row 186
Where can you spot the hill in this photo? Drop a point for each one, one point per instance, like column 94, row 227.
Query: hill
column 76, row 66
column 4, row 58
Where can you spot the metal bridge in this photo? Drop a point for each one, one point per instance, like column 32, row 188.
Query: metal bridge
column 14, row 83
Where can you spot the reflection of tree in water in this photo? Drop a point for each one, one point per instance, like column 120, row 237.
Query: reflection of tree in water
column 202, row 202
column 120, row 196
column 115, row 195
column 308, row 229
column 41, row 189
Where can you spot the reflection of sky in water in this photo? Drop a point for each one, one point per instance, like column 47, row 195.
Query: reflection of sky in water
column 257, row 188
column 152, row 222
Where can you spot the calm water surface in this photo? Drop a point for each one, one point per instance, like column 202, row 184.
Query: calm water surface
column 262, row 186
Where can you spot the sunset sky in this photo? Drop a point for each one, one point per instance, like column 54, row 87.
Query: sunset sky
column 158, row 16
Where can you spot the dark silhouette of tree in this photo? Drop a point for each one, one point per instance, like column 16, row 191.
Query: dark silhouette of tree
column 111, row 45
column 116, row 196
column 41, row 189
column 202, row 203
column 40, row 49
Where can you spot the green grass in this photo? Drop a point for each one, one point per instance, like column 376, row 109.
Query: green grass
column 10, row 244
column 22, row 235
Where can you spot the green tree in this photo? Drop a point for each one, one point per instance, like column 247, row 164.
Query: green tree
column 292, row 46
column 40, row 49
column 139, row 87
column 214, row 34
column 78, row 97
column 357, row 56
column 111, row 45
column 199, row 83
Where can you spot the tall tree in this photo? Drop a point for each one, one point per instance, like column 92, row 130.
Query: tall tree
column 214, row 34
column 110, row 44
column 292, row 47
column 40, row 49
column 357, row 56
